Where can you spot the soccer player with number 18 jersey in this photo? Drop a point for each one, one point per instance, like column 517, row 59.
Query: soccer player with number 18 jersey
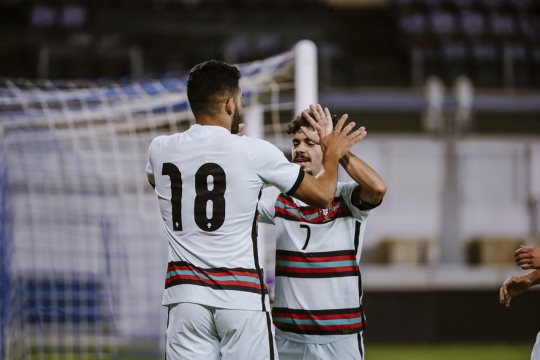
column 208, row 181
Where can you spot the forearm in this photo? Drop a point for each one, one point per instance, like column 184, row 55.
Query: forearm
column 328, row 179
column 372, row 185
column 319, row 191
column 534, row 277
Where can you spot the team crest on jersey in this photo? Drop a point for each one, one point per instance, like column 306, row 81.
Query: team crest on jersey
column 324, row 213
column 286, row 208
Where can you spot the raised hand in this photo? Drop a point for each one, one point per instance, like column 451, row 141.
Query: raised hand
column 340, row 141
column 321, row 121
column 527, row 257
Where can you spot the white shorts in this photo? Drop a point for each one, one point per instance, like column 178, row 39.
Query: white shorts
column 350, row 348
column 536, row 349
column 199, row 332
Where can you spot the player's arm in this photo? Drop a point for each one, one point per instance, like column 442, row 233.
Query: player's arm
column 150, row 175
column 371, row 187
column 149, row 170
column 320, row 191
column 516, row 285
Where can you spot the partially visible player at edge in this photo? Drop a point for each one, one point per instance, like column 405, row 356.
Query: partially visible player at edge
column 317, row 307
column 208, row 181
column 527, row 257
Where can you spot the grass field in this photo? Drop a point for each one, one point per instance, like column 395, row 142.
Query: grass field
column 449, row 352
column 373, row 352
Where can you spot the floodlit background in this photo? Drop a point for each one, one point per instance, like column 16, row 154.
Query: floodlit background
column 449, row 91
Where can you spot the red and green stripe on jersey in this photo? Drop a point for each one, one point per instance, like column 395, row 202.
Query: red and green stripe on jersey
column 286, row 208
column 326, row 264
column 319, row 322
column 241, row 279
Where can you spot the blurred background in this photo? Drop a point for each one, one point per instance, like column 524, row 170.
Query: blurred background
column 449, row 91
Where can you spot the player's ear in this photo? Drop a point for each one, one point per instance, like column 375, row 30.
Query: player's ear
column 229, row 106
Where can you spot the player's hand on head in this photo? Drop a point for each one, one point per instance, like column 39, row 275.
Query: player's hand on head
column 310, row 132
column 320, row 121
column 528, row 257
column 325, row 119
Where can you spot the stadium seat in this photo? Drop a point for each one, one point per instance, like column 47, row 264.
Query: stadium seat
column 492, row 251
column 405, row 251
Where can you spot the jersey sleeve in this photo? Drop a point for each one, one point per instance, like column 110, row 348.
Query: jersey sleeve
column 150, row 174
column 346, row 190
column 149, row 169
column 272, row 166
column 267, row 205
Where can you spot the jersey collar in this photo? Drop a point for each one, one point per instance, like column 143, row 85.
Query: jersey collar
column 208, row 129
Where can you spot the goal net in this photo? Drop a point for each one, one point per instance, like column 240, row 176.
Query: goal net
column 82, row 250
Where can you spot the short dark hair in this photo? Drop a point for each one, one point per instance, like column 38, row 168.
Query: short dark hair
column 299, row 121
column 208, row 82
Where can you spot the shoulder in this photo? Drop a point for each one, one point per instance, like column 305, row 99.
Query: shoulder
column 345, row 188
column 157, row 141
column 346, row 191
column 261, row 152
column 257, row 143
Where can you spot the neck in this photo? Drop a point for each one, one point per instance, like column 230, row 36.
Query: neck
column 319, row 173
column 217, row 120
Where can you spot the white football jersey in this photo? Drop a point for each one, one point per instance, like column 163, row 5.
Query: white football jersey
column 318, row 288
column 208, row 183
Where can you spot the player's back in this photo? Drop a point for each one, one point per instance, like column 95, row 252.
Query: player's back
column 214, row 194
column 208, row 186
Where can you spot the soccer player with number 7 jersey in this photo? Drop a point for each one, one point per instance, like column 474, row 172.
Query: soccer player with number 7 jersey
column 317, row 308
column 208, row 181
